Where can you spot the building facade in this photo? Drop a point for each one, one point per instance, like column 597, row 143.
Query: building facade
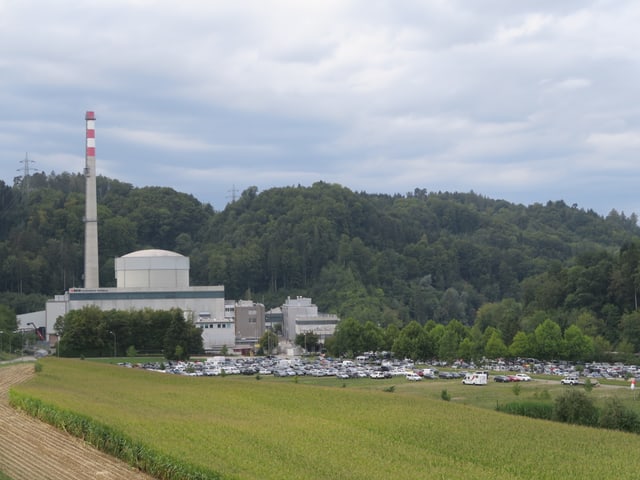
column 301, row 316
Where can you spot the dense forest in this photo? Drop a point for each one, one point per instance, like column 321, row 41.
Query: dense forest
column 424, row 258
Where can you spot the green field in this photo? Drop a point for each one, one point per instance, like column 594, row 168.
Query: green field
column 243, row 428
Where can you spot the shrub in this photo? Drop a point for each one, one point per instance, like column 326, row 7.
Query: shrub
column 575, row 407
column 542, row 395
column 516, row 389
column 390, row 389
column 131, row 351
column 444, row 395
column 588, row 385
column 37, row 367
column 618, row 417
column 533, row 409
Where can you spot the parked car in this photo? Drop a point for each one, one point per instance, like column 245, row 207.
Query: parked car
column 523, row 377
column 501, row 378
column 413, row 377
column 446, row 375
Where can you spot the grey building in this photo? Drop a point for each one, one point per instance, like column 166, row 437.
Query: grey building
column 249, row 320
column 299, row 316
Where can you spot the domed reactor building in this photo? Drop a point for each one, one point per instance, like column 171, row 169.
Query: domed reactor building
column 146, row 279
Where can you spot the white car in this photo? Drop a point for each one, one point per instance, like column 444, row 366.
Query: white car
column 523, row 377
column 413, row 377
column 570, row 381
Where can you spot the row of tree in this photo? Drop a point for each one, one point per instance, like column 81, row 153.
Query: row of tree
column 92, row 332
column 455, row 341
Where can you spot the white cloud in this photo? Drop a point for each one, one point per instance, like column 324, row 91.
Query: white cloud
column 443, row 95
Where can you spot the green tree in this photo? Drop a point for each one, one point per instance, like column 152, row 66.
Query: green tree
column 578, row 346
column 8, row 325
column 268, row 342
column 182, row 339
column 521, row 346
column 630, row 329
column 496, row 347
column 308, row 340
column 448, row 345
column 406, row 345
column 348, row 338
column 548, row 340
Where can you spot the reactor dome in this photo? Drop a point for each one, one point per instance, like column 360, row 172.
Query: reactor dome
column 152, row 269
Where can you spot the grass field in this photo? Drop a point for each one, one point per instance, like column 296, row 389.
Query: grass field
column 282, row 429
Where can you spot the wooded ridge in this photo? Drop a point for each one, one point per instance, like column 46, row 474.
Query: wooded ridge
column 388, row 259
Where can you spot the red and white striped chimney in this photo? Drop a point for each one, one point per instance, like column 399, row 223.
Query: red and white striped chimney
column 90, row 117
column 91, row 273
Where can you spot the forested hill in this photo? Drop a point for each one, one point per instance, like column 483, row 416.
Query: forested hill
column 390, row 259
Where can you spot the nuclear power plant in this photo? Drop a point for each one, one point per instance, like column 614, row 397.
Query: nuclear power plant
column 153, row 279
column 159, row 280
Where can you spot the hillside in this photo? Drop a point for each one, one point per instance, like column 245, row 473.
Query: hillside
column 388, row 259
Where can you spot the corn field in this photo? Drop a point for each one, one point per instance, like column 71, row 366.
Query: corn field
column 177, row 427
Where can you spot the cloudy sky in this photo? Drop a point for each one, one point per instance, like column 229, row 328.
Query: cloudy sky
column 527, row 101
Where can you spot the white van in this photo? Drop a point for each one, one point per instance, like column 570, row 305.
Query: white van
column 476, row 378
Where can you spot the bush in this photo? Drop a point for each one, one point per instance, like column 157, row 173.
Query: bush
column 588, row 385
column 618, row 417
column 533, row 409
column 444, row 395
column 516, row 389
column 575, row 407
column 390, row 389
column 542, row 395
column 37, row 367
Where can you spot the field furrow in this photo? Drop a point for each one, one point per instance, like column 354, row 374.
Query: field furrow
column 32, row 450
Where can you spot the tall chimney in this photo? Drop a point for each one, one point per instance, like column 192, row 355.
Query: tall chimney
column 91, row 276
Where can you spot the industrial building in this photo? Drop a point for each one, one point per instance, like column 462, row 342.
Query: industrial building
column 154, row 279
column 300, row 316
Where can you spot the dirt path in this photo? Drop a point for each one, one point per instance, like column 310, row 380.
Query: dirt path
column 33, row 450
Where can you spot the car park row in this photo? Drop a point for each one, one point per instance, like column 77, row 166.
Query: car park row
column 348, row 369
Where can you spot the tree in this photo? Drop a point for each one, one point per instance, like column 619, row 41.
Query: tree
column 467, row 350
column 496, row 347
column 578, row 346
column 8, row 324
column 182, row 338
column 630, row 329
column 406, row 345
column 521, row 346
column 448, row 345
column 308, row 340
column 372, row 340
column 548, row 340
column 268, row 342
column 348, row 338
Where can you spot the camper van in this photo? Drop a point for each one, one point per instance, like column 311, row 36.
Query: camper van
column 475, row 378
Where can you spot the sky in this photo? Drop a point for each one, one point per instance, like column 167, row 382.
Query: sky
column 526, row 101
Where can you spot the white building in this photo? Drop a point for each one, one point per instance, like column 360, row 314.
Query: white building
column 158, row 280
column 299, row 316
